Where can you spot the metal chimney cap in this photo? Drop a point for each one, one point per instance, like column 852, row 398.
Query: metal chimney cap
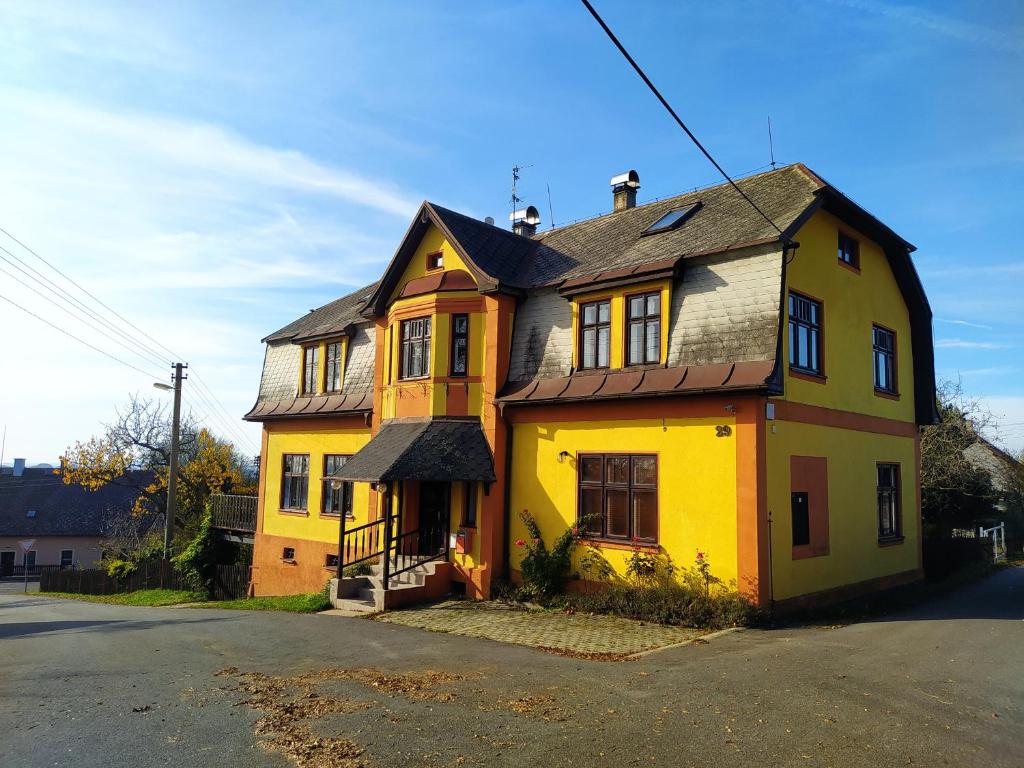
column 629, row 179
column 489, row 220
column 529, row 214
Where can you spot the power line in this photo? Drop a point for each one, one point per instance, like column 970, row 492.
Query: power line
column 69, row 298
column 87, row 293
column 80, row 319
column 71, row 335
column 679, row 121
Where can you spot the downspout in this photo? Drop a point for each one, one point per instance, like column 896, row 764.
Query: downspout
column 506, row 550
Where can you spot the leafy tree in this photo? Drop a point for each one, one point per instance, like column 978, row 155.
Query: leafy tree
column 140, row 439
column 954, row 492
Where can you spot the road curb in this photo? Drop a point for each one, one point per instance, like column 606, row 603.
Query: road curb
column 700, row 640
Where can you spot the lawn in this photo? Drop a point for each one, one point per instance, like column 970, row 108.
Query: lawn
column 310, row 603
column 150, row 597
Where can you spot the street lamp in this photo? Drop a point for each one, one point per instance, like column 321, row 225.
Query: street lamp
column 172, row 479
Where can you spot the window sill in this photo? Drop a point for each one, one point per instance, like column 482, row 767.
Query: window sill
column 645, row 546
column 806, row 552
column 853, row 268
column 891, row 541
column 817, row 378
column 288, row 561
column 886, row 394
column 294, row 512
column 336, row 516
column 412, row 379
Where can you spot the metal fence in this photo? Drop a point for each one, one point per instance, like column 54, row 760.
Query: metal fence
column 233, row 513
column 231, row 582
column 155, row 575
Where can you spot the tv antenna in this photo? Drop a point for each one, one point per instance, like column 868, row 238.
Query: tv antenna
column 516, row 174
column 771, row 148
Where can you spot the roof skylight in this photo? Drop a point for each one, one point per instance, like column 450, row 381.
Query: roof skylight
column 673, row 219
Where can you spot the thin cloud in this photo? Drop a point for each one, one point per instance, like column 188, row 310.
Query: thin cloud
column 956, row 29
column 964, row 323
column 966, row 344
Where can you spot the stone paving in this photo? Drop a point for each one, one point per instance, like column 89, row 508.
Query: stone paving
column 568, row 634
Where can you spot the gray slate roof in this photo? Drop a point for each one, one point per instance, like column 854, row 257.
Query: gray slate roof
column 331, row 318
column 60, row 510
column 447, row 450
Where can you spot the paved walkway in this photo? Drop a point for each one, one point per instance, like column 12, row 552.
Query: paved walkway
column 571, row 635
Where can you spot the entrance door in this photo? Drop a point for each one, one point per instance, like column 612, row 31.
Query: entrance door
column 6, row 564
column 433, row 517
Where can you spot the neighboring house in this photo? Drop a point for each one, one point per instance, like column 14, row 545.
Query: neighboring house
column 67, row 522
column 672, row 374
column 993, row 460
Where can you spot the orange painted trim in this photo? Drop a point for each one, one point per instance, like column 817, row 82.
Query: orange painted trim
column 886, row 395
column 893, row 542
column 810, row 474
column 314, row 424
column 753, row 570
column 620, row 410
column 457, row 379
column 855, row 270
column 787, row 410
column 437, row 306
column 814, row 378
column 847, row 591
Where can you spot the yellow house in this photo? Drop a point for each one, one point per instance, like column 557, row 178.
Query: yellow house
column 674, row 377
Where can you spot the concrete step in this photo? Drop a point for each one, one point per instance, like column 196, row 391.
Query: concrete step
column 359, row 606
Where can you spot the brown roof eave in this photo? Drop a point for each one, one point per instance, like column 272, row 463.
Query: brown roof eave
column 508, row 403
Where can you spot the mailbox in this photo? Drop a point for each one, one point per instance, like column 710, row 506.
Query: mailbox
column 463, row 541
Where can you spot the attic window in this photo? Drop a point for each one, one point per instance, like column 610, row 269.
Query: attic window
column 673, row 219
column 435, row 260
column 30, row 513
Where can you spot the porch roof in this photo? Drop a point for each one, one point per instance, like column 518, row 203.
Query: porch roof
column 435, row 449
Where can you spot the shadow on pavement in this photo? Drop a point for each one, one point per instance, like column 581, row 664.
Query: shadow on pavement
column 24, row 629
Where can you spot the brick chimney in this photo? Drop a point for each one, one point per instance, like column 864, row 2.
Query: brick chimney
column 525, row 221
column 624, row 187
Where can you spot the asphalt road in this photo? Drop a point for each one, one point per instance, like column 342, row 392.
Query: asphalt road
column 94, row 685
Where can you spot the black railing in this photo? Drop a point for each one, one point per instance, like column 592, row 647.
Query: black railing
column 361, row 543
column 233, row 513
column 414, row 548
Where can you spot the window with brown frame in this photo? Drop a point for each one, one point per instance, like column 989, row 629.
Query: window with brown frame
column 310, row 369
column 644, row 328
column 332, row 374
column 414, row 361
column 595, row 334
column 883, row 350
column 805, row 348
column 459, row 357
column 295, row 481
column 618, row 496
column 849, row 251
column 435, row 260
column 335, row 502
column 889, row 517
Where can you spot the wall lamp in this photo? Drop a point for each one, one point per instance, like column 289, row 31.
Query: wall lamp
column 562, row 456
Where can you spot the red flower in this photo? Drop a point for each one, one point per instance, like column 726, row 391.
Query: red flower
column 700, row 555
column 536, row 541
column 575, row 531
column 636, row 539
column 520, row 543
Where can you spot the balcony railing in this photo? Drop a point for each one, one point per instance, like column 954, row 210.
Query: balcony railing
column 233, row 513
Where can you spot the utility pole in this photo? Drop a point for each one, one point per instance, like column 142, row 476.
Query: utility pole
column 172, row 480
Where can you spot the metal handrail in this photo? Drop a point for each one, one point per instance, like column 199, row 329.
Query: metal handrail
column 361, row 543
column 403, row 548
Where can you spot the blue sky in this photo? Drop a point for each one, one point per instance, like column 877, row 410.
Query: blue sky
column 214, row 170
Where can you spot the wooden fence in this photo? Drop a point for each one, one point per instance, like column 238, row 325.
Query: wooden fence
column 154, row 575
column 231, row 582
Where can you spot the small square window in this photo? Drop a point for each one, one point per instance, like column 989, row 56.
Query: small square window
column 331, row 561
column 435, row 260
column 849, row 251
column 288, row 553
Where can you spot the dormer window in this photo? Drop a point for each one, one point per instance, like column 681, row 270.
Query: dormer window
column 435, row 260
column 310, row 369
column 644, row 341
column 672, row 220
column 595, row 334
column 332, row 376
column 849, row 251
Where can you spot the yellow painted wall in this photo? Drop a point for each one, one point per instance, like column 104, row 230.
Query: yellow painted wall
column 617, row 296
column 854, row 553
column 303, row 437
column 432, row 242
column 697, row 484
column 852, row 303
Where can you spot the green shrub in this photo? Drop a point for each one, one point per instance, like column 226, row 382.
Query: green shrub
column 197, row 563
column 654, row 594
column 365, row 568
column 119, row 569
column 544, row 571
